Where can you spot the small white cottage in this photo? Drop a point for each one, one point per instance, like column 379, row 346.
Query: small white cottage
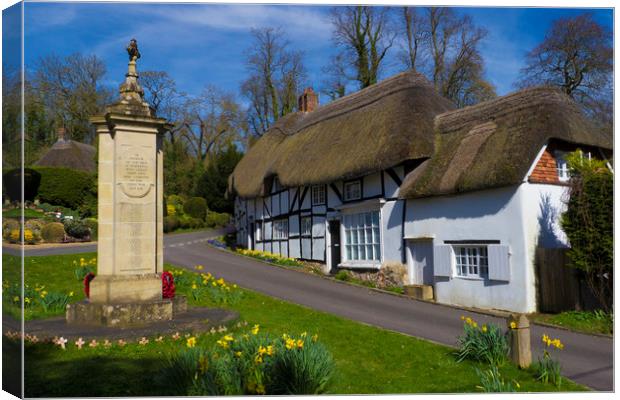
column 394, row 173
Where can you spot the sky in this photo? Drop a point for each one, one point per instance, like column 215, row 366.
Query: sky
column 204, row 44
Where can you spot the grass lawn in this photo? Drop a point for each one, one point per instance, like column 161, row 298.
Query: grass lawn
column 368, row 359
column 580, row 321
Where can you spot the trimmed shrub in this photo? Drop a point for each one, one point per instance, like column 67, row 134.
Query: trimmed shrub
column 176, row 202
column 12, row 183
column 171, row 223
column 54, row 232
column 76, row 228
column 8, row 226
column 217, row 219
column 196, row 207
column 66, row 187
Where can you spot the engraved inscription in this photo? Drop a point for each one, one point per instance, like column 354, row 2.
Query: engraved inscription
column 136, row 169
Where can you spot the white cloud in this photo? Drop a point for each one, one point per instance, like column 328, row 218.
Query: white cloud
column 308, row 21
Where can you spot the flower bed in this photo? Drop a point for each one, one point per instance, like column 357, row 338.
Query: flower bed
column 270, row 257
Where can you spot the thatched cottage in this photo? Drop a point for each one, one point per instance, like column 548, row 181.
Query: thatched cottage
column 69, row 153
column 394, row 173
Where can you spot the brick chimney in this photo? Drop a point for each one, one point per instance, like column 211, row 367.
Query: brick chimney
column 308, row 101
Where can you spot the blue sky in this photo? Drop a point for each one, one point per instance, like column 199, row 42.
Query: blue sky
column 199, row 44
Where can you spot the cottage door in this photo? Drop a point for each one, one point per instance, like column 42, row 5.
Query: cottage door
column 421, row 262
column 334, row 234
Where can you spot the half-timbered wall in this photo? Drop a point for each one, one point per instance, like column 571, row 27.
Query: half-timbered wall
column 257, row 219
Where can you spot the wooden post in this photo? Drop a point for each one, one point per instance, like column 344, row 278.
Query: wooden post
column 520, row 340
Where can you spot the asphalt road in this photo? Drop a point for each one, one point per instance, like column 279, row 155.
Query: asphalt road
column 586, row 359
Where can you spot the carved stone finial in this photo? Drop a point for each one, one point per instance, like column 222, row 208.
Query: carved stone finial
column 132, row 50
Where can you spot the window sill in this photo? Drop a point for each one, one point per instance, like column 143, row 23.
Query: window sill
column 360, row 265
column 470, row 278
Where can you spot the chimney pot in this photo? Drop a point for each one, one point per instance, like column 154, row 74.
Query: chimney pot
column 308, row 101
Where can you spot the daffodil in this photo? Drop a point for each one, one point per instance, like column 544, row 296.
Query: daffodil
column 191, row 342
column 484, row 328
column 513, row 325
column 255, row 330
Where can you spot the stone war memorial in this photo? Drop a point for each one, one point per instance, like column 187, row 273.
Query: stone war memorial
column 127, row 289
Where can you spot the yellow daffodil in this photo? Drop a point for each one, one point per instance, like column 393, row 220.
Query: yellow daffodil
column 462, row 318
column 300, row 344
column 290, row 344
column 238, row 354
column 315, row 337
column 70, row 294
column 260, row 389
column 191, row 342
column 194, row 286
column 484, row 328
column 270, row 350
column 258, row 359
column 16, row 298
column 255, row 330
column 513, row 325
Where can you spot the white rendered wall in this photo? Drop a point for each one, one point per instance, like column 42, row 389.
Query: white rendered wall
column 497, row 214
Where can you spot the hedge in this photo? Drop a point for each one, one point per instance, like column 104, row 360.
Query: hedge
column 196, row 207
column 12, row 183
column 67, row 187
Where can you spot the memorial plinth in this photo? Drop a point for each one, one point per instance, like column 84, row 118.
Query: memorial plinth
column 130, row 211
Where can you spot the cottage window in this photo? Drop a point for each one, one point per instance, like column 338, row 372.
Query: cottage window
column 352, row 190
column 562, row 166
column 318, row 195
column 259, row 231
column 280, row 229
column 472, row 261
column 306, row 226
column 362, row 236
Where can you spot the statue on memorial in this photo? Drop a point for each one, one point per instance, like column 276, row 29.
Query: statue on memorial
column 132, row 50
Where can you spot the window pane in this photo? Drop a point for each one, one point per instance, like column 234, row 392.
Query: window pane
column 368, row 217
column 354, row 249
column 348, row 251
column 377, row 255
column 363, row 253
column 375, row 218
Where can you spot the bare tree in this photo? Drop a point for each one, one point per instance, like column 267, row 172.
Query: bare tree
column 365, row 35
column 72, row 90
column 415, row 33
column 577, row 57
column 210, row 122
column 276, row 75
column 335, row 83
column 161, row 93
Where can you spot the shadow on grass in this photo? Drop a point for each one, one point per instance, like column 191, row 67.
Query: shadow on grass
column 11, row 367
column 88, row 375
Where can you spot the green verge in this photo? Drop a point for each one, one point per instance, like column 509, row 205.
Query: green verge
column 368, row 359
column 579, row 321
column 17, row 213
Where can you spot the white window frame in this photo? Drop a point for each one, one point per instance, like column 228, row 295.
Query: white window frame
column 259, row 231
column 561, row 166
column 305, row 226
column 356, row 232
column 347, row 196
column 280, row 229
column 318, row 195
column 471, row 261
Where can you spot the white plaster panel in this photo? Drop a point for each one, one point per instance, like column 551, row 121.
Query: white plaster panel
column 293, row 248
column 372, row 185
column 391, row 230
column 496, row 214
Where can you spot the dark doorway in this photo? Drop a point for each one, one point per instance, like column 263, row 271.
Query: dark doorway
column 252, row 234
column 334, row 233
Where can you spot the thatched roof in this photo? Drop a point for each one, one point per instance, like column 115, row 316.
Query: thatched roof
column 70, row 154
column 494, row 143
column 375, row 128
